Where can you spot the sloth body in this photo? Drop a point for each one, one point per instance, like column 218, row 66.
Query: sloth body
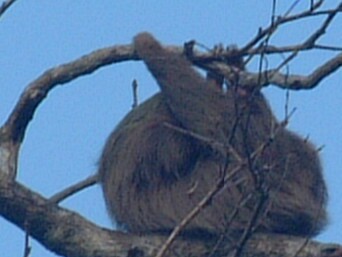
column 154, row 175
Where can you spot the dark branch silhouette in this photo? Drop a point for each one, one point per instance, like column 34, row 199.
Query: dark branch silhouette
column 5, row 6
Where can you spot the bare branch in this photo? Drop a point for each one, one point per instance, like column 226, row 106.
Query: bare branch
column 331, row 48
column 5, row 5
column 307, row 45
column 194, row 212
column 60, row 196
column 320, row 73
column 37, row 90
column 273, row 77
column 13, row 132
column 249, row 230
column 69, row 234
column 135, row 93
column 27, row 248
column 14, row 129
column 297, row 82
column 310, row 42
column 218, row 146
column 280, row 21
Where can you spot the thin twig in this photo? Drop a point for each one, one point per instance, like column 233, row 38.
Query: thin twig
column 192, row 214
column 27, row 247
column 280, row 21
column 60, row 196
column 220, row 147
column 330, row 48
column 258, row 208
column 135, row 93
column 309, row 43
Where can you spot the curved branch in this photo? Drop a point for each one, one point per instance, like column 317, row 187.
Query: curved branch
column 13, row 131
column 69, row 234
column 297, row 82
column 273, row 77
column 37, row 90
column 60, row 196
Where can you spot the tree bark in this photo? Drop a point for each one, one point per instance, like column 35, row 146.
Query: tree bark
column 69, row 234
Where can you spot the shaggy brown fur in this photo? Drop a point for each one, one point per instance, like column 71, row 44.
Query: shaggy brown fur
column 153, row 176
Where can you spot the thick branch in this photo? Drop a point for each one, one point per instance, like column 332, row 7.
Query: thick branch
column 69, row 234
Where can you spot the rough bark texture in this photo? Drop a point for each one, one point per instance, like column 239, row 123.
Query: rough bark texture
column 69, row 234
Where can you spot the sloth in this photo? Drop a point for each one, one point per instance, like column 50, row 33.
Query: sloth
column 168, row 153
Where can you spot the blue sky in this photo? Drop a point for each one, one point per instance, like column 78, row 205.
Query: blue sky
column 65, row 139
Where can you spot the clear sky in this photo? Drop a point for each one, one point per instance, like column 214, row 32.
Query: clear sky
column 65, row 139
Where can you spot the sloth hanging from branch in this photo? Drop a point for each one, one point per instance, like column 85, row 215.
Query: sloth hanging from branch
column 167, row 155
column 203, row 164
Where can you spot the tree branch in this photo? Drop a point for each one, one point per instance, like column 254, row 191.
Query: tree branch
column 274, row 77
column 13, row 131
column 69, row 234
column 37, row 90
column 5, row 5
column 60, row 196
column 262, row 33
